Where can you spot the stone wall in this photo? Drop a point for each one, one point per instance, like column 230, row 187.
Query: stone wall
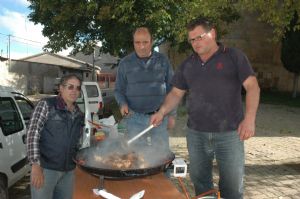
column 254, row 38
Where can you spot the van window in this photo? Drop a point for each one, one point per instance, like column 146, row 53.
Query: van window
column 26, row 108
column 80, row 102
column 10, row 120
column 92, row 90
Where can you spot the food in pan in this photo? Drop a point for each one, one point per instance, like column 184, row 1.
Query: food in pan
column 116, row 160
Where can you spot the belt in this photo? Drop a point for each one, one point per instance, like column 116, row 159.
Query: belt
column 151, row 113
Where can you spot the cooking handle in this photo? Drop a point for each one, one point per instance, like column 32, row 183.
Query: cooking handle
column 140, row 134
column 98, row 126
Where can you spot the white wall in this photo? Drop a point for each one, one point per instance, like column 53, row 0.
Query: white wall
column 18, row 82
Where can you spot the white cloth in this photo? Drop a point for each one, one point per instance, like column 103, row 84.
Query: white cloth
column 138, row 195
column 105, row 194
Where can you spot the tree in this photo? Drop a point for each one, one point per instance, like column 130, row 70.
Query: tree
column 290, row 51
column 277, row 13
column 83, row 23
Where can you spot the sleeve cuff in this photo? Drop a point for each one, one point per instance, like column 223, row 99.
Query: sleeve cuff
column 35, row 162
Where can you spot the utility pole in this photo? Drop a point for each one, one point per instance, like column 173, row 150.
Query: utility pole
column 9, row 51
column 96, row 57
column 93, row 69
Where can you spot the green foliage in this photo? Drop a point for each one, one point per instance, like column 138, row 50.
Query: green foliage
column 279, row 98
column 290, row 49
column 83, row 23
column 276, row 13
column 112, row 108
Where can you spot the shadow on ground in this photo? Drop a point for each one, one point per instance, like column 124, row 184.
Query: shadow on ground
column 21, row 190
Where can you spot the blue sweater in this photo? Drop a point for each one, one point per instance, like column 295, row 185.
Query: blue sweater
column 143, row 85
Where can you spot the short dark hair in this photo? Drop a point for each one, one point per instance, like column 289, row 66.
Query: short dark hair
column 200, row 21
column 65, row 78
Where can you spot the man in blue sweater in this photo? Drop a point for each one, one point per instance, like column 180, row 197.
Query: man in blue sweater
column 143, row 80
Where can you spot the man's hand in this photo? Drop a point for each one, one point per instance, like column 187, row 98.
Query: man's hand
column 247, row 126
column 37, row 176
column 171, row 122
column 124, row 110
column 246, row 129
column 156, row 118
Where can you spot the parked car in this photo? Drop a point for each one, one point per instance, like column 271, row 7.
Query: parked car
column 15, row 111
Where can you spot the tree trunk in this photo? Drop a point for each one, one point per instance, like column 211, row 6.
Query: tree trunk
column 295, row 84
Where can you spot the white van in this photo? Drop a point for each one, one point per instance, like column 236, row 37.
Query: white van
column 15, row 112
column 91, row 104
column 91, row 96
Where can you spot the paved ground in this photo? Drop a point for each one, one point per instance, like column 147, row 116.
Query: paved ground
column 272, row 156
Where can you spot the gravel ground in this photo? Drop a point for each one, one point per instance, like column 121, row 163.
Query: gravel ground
column 272, row 156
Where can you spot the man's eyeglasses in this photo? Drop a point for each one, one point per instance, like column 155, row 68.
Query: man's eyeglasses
column 72, row 87
column 198, row 38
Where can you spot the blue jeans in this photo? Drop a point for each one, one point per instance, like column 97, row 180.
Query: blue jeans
column 137, row 122
column 57, row 185
column 228, row 150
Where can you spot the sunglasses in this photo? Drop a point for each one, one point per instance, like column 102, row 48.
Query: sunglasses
column 72, row 87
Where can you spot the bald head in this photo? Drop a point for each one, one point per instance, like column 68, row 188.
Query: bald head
column 142, row 30
column 142, row 42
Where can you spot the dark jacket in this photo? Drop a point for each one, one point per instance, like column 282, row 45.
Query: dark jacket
column 60, row 136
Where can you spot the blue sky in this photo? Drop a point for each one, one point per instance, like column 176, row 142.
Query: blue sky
column 15, row 5
column 27, row 38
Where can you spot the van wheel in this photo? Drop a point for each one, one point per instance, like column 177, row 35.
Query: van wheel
column 3, row 189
